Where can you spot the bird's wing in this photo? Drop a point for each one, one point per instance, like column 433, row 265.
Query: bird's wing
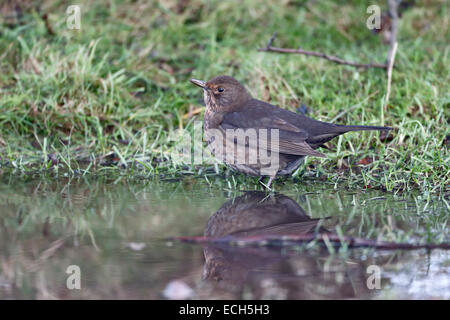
column 259, row 115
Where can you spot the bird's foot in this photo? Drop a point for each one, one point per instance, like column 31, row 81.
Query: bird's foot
column 269, row 183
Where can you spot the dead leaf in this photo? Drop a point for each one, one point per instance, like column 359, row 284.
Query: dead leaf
column 365, row 161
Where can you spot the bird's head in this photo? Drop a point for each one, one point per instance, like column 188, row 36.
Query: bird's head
column 223, row 93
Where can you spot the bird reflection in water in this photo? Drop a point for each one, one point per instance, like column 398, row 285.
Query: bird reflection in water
column 267, row 273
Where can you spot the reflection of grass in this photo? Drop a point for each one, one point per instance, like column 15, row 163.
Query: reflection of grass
column 48, row 225
column 101, row 208
column 84, row 207
column 120, row 84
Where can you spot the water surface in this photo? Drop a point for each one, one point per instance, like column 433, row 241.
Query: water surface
column 117, row 232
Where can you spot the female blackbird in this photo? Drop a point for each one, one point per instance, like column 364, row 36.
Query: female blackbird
column 270, row 141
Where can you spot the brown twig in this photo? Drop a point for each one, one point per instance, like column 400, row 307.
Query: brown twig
column 270, row 48
column 393, row 13
column 286, row 240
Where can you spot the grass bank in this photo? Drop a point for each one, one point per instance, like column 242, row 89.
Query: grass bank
column 106, row 98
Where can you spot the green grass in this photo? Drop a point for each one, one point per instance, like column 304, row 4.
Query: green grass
column 115, row 90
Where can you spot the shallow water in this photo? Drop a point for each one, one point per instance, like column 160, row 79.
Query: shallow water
column 118, row 233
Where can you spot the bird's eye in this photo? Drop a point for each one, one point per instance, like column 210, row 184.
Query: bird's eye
column 220, row 89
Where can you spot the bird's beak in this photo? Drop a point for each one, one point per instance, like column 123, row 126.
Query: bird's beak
column 200, row 83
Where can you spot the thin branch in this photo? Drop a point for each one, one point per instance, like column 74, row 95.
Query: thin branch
column 393, row 13
column 270, row 48
column 272, row 38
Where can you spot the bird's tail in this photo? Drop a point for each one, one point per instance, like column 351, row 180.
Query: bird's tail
column 344, row 128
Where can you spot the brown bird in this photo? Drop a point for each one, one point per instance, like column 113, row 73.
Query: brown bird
column 283, row 136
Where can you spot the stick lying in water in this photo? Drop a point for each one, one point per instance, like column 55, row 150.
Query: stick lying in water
column 288, row 240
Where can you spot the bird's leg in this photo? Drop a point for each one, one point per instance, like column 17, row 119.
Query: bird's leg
column 260, row 181
column 270, row 181
column 267, row 186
